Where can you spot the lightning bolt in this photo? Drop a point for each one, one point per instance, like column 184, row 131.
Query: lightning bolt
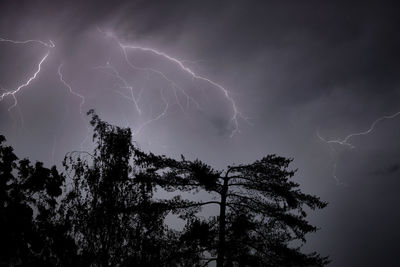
column 125, row 48
column 175, row 87
column 177, row 95
column 13, row 93
column 159, row 116
column 236, row 112
column 72, row 92
column 82, row 102
column 112, row 71
column 346, row 140
column 28, row 82
column 50, row 44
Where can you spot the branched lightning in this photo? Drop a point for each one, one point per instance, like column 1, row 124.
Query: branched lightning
column 346, row 140
column 112, row 71
column 125, row 48
column 13, row 93
column 172, row 92
column 236, row 113
column 20, row 87
column 175, row 87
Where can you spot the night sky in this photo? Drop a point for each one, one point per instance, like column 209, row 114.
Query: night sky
column 291, row 70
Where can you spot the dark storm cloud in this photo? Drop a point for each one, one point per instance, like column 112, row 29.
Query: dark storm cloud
column 394, row 168
column 389, row 169
column 292, row 67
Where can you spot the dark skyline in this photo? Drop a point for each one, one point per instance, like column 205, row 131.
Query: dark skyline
column 292, row 69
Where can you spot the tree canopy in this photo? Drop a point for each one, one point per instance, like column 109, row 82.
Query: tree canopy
column 105, row 209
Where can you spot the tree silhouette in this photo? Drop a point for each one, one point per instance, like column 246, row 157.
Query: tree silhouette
column 104, row 211
column 29, row 232
column 261, row 212
column 110, row 208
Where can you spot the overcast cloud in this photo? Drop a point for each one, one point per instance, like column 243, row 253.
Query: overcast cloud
column 292, row 68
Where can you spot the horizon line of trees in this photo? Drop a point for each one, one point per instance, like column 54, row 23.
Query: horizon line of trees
column 102, row 210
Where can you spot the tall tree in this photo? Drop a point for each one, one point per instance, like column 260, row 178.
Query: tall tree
column 110, row 206
column 262, row 213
